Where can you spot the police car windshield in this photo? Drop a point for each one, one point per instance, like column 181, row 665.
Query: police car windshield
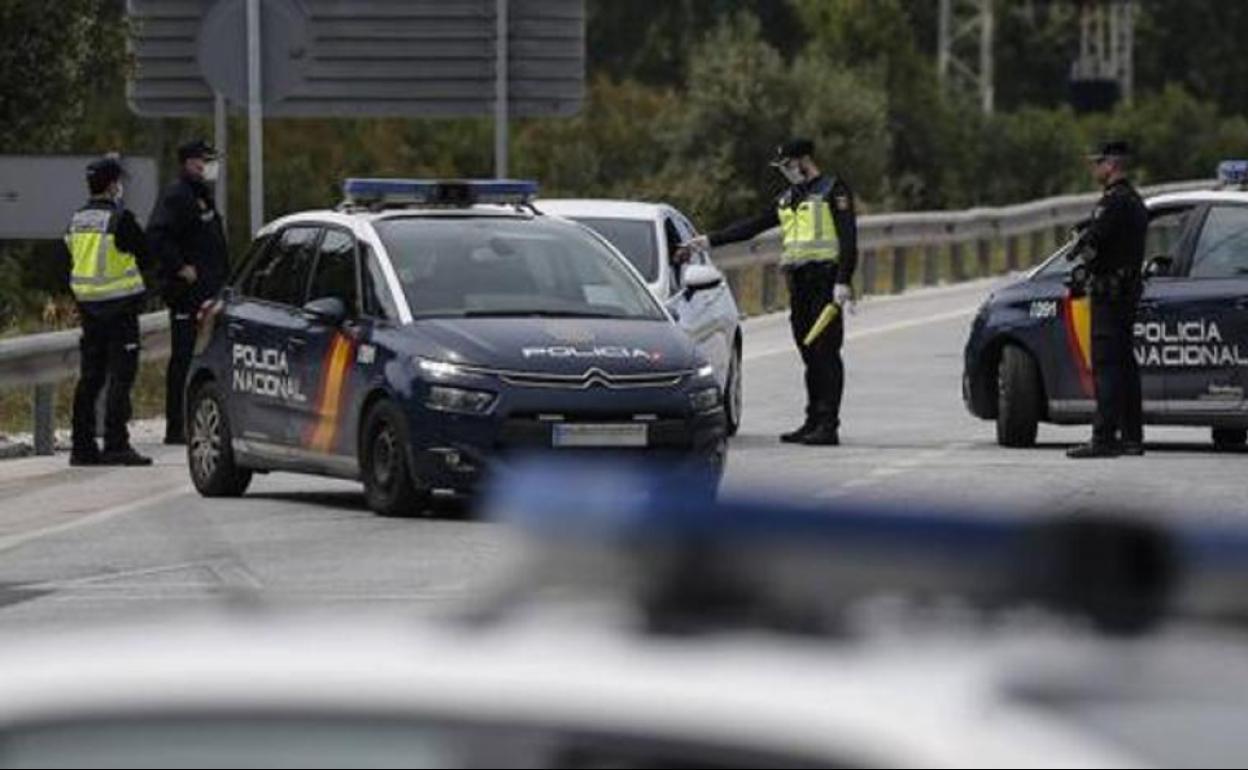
column 635, row 238
column 494, row 266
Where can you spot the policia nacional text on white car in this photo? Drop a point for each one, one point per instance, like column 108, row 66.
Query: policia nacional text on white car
column 425, row 331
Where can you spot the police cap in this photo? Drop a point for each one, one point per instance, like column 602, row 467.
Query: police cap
column 102, row 172
column 196, row 148
column 794, row 148
column 1116, row 148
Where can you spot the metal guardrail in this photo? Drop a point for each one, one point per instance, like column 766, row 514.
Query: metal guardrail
column 900, row 250
column 42, row 360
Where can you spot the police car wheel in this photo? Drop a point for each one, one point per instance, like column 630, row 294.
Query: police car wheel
column 1018, row 398
column 388, row 483
column 1230, row 438
column 732, row 393
column 209, row 453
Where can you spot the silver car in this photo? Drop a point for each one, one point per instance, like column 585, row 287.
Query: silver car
column 696, row 293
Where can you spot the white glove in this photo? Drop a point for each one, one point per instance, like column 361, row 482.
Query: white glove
column 843, row 295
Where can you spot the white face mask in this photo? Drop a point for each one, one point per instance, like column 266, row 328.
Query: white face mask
column 211, row 170
column 792, row 172
column 120, row 192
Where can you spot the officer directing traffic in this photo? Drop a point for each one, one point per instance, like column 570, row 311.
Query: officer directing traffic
column 106, row 255
column 820, row 252
column 1112, row 246
column 188, row 238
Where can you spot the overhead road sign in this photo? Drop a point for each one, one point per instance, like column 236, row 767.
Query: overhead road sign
column 360, row 58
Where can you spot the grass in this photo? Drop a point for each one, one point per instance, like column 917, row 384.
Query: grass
column 17, row 404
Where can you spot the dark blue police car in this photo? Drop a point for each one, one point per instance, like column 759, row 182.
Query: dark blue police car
column 427, row 330
column 1028, row 359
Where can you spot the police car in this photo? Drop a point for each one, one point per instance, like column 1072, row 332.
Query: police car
column 1028, row 358
column 425, row 330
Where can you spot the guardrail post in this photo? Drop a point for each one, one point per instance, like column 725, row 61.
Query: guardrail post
column 771, row 275
column 869, row 269
column 45, row 419
column 1037, row 246
column 983, row 253
column 1011, row 253
column 957, row 266
column 931, row 260
column 899, row 269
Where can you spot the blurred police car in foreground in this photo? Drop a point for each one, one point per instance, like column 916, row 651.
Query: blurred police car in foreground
column 425, row 330
column 1028, row 359
column 654, row 632
column 696, row 293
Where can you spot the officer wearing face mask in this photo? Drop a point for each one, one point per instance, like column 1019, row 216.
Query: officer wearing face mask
column 188, row 238
column 820, row 239
column 105, row 255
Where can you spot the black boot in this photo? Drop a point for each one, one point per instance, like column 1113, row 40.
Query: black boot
column 824, row 434
column 1093, row 449
column 87, row 455
column 124, row 456
column 1133, row 448
column 799, row 435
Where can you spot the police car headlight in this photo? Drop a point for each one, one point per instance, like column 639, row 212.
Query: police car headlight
column 459, row 400
column 706, row 371
column 704, row 400
column 438, row 368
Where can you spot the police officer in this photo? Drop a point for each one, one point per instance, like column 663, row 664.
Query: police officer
column 189, row 240
column 1112, row 247
column 106, row 251
column 820, row 239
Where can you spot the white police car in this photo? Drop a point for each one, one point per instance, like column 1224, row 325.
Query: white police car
column 696, row 293
column 426, row 330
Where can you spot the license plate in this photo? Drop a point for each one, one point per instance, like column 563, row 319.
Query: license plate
column 586, row 435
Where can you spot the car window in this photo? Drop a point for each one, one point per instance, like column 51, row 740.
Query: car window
column 687, row 232
column 1165, row 232
column 1222, row 250
column 283, row 277
column 1164, row 239
column 633, row 237
column 335, row 270
column 256, row 254
column 495, row 266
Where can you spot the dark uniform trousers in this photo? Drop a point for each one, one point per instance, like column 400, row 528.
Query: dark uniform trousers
column 1119, row 401
column 109, row 351
column 810, row 290
column 182, row 348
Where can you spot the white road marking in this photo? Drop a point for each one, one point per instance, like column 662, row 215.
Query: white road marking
column 16, row 541
column 899, row 326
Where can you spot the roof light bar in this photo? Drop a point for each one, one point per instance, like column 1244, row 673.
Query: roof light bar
column 1233, row 173
column 434, row 192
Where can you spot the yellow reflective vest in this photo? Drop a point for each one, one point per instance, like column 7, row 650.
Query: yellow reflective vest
column 100, row 271
column 808, row 229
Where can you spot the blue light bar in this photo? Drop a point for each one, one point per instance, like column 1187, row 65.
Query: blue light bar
column 1233, row 172
column 436, row 192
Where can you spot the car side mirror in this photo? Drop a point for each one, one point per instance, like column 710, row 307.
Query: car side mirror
column 701, row 277
column 331, row 311
column 1158, row 266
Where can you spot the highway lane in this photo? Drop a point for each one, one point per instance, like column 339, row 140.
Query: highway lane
column 98, row 544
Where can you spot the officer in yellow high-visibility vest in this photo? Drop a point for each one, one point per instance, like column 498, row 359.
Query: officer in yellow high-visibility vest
column 106, row 251
column 820, row 239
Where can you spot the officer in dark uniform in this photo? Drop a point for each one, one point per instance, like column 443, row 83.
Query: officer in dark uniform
column 820, row 239
column 188, row 238
column 1112, row 248
column 105, row 257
